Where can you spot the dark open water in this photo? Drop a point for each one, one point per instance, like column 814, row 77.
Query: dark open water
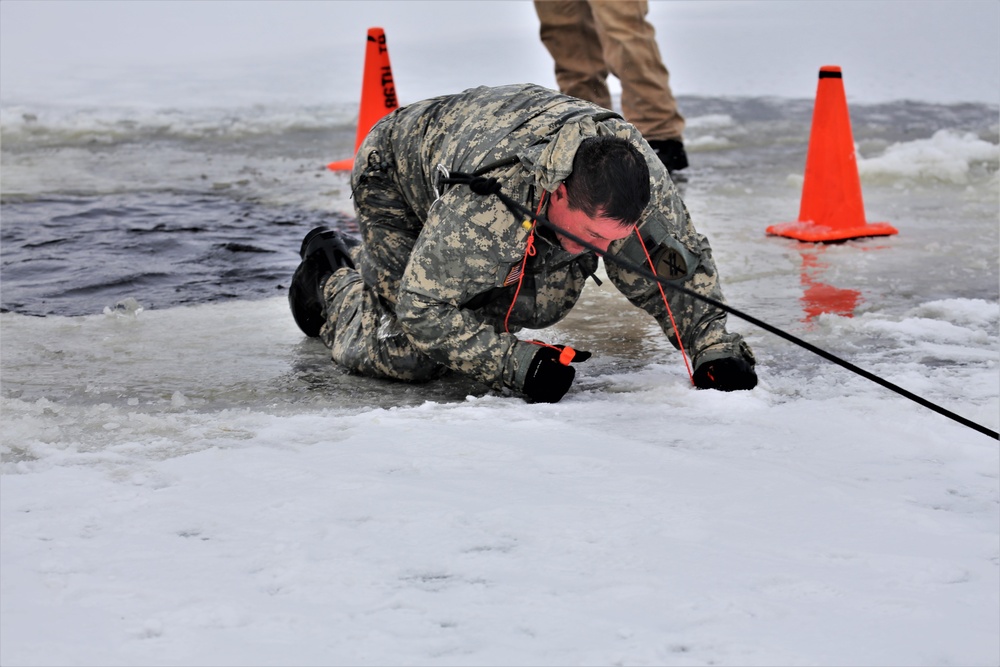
column 75, row 255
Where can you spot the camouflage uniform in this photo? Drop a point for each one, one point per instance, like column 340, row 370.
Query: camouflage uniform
column 434, row 273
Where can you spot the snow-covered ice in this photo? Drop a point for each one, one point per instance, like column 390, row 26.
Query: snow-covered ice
column 199, row 485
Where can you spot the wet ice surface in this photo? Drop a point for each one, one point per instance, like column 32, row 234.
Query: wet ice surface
column 187, row 479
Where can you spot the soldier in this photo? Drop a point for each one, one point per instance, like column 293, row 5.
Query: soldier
column 444, row 278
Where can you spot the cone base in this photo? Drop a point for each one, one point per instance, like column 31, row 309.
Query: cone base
column 341, row 165
column 809, row 232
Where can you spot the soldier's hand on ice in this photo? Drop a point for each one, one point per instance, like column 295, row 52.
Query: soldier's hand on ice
column 550, row 374
column 728, row 374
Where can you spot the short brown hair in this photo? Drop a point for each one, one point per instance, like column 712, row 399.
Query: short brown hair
column 610, row 179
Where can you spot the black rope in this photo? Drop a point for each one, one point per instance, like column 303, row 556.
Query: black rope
column 490, row 186
column 486, row 186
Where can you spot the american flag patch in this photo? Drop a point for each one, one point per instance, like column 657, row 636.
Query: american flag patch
column 513, row 276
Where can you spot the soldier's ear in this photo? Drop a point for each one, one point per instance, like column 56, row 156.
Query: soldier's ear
column 559, row 194
column 558, row 200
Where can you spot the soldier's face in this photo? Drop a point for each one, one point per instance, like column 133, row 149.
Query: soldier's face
column 598, row 231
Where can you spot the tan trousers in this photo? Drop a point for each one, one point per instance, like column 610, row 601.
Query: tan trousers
column 590, row 38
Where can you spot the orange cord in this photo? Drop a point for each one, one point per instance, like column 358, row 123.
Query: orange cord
column 677, row 334
column 529, row 251
column 566, row 353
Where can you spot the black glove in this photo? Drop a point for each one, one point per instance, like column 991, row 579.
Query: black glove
column 548, row 377
column 727, row 374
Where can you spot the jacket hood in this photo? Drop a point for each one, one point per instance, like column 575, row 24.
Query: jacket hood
column 550, row 162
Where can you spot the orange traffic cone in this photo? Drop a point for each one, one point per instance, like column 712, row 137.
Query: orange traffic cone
column 378, row 92
column 831, row 208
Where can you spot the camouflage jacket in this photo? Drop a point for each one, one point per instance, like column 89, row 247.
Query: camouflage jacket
column 447, row 266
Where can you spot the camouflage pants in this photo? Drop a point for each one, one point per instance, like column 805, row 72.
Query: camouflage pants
column 364, row 336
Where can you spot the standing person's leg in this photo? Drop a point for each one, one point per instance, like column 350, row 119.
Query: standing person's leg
column 568, row 32
column 630, row 50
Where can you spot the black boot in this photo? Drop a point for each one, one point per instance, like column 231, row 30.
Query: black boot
column 671, row 153
column 323, row 251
